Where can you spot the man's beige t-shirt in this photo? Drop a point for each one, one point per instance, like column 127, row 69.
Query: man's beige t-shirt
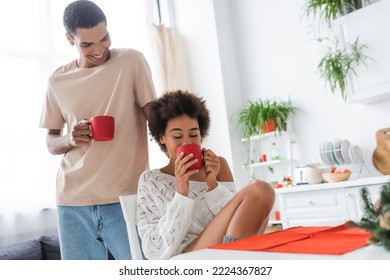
column 100, row 171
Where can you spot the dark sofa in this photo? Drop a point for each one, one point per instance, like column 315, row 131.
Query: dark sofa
column 46, row 247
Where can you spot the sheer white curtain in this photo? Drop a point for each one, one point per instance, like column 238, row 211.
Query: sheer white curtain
column 32, row 45
column 169, row 50
column 172, row 69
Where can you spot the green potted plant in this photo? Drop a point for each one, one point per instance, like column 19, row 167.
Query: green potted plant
column 248, row 117
column 265, row 115
column 338, row 63
column 328, row 10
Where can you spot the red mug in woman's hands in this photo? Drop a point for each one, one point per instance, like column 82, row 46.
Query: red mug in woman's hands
column 102, row 127
column 194, row 149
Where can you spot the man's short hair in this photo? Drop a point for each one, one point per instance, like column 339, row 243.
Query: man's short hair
column 82, row 14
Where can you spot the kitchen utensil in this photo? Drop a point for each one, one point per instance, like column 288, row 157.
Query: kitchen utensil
column 345, row 144
column 194, row 149
column 381, row 155
column 300, row 175
column 328, row 153
column 102, row 127
column 356, row 154
column 337, row 151
column 313, row 175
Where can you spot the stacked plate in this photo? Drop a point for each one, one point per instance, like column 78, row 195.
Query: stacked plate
column 340, row 152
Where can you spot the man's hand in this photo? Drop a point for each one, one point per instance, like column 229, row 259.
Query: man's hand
column 80, row 134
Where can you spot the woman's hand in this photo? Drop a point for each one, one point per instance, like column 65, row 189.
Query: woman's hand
column 182, row 163
column 211, row 168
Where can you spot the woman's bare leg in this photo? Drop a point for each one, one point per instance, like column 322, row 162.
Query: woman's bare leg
column 244, row 215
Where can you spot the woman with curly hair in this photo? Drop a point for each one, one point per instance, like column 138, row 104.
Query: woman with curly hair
column 182, row 210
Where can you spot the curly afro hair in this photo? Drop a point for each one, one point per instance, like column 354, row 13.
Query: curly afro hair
column 175, row 104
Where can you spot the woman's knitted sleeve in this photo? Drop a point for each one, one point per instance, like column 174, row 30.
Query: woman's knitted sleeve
column 162, row 223
column 217, row 198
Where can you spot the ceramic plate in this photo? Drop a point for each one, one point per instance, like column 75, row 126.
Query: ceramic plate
column 322, row 155
column 337, row 151
column 329, row 153
column 345, row 151
column 325, row 153
column 334, row 158
column 356, row 153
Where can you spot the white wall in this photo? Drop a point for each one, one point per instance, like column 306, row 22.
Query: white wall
column 249, row 49
column 195, row 21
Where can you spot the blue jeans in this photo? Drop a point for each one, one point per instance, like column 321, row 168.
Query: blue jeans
column 87, row 232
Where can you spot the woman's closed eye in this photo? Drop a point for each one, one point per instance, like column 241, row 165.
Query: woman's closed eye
column 191, row 136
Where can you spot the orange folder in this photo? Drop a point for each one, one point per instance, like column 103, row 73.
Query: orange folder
column 310, row 240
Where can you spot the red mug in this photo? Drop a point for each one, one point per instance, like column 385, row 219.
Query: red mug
column 194, row 149
column 102, row 127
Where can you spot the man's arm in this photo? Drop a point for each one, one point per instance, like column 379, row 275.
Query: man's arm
column 58, row 144
column 146, row 110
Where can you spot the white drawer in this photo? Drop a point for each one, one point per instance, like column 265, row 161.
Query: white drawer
column 324, row 201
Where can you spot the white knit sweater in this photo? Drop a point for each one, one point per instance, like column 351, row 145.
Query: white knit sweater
column 168, row 221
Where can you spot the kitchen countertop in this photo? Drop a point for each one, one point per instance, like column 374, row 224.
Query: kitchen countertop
column 367, row 181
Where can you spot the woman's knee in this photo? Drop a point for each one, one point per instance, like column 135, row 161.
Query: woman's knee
column 262, row 191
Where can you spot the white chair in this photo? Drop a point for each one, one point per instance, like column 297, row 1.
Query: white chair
column 129, row 209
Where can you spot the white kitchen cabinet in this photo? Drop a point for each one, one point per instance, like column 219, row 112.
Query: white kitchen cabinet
column 271, row 169
column 326, row 207
column 370, row 24
column 354, row 201
column 326, row 204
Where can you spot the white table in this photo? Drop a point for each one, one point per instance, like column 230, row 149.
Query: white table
column 371, row 252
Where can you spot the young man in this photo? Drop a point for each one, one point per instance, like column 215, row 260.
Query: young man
column 92, row 174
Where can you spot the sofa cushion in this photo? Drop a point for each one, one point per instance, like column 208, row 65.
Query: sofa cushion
column 28, row 250
column 50, row 247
